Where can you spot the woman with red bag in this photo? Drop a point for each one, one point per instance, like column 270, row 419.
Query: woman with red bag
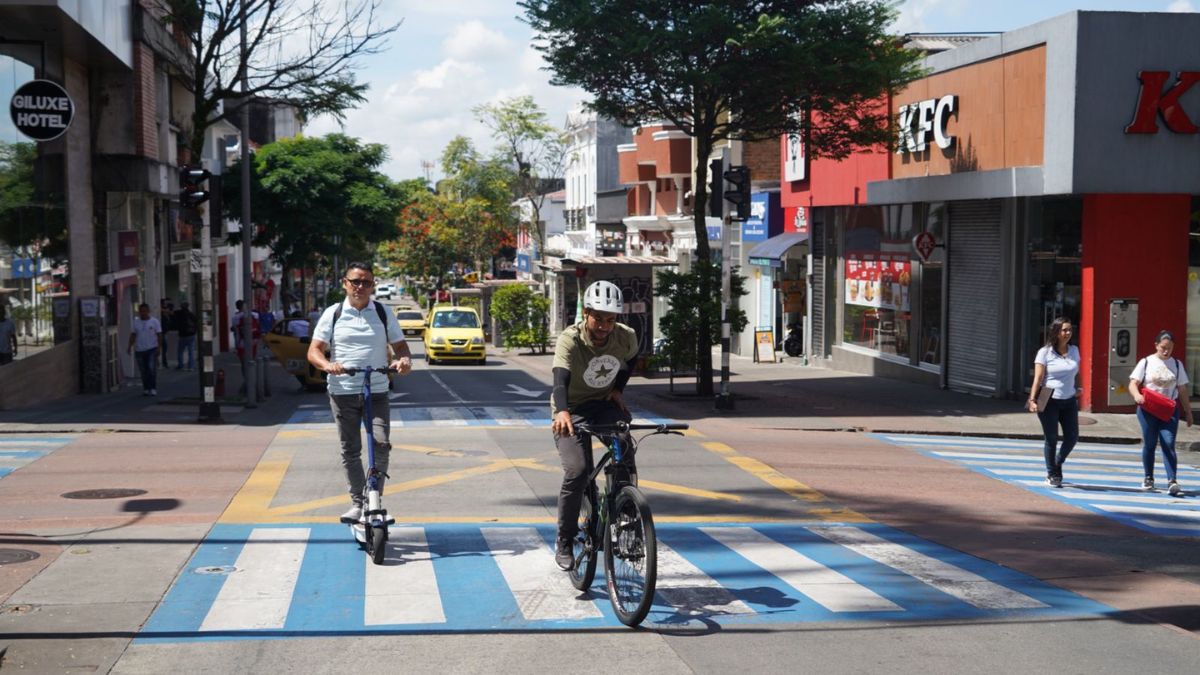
column 1156, row 377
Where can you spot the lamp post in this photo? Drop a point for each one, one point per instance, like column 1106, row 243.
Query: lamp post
column 248, row 351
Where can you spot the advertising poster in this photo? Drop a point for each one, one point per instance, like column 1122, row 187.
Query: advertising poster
column 878, row 281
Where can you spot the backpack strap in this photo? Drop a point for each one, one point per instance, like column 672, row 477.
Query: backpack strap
column 337, row 314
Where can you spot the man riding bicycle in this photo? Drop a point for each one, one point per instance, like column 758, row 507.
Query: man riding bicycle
column 356, row 333
column 592, row 363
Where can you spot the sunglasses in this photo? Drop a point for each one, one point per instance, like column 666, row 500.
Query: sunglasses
column 360, row 283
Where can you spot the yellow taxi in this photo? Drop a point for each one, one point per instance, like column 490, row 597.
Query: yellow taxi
column 454, row 333
column 288, row 341
column 412, row 322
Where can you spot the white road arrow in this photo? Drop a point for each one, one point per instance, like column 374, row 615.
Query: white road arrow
column 522, row 391
column 396, row 395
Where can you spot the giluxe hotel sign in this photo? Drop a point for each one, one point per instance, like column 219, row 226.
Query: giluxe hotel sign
column 1155, row 99
column 41, row 110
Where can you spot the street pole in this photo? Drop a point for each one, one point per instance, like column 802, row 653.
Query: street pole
column 210, row 410
column 248, row 353
column 725, row 398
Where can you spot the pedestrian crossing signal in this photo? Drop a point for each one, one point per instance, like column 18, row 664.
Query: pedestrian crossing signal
column 192, row 189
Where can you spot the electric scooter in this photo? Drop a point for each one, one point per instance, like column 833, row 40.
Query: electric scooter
column 371, row 531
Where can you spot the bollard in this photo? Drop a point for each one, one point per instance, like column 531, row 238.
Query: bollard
column 264, row 382
column 219, row 387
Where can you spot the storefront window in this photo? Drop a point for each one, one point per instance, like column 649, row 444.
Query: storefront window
column 1055, row 267
column 931, row 274
column 878, row 277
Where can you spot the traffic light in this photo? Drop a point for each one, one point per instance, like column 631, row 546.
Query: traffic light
column 738, row 178
column 192, row 189
column 715, row 187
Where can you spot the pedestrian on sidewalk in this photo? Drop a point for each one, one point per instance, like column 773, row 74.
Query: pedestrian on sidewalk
column 1163, row 374
column 145, row 341
column 185, row 324
column 1056, row 375
column 166, row 316
column 356, row 333
column 8, row 337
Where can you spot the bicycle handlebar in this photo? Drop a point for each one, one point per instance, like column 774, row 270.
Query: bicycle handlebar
column 621, row 427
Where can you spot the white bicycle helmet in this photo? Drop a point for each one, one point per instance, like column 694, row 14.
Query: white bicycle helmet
column 604, row 296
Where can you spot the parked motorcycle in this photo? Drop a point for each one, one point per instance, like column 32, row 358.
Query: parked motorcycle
column 793, row 344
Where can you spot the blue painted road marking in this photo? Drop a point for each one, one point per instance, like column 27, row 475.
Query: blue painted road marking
column 409, row 416
column 482, row 578
column 1099, row 477
column 18, row 450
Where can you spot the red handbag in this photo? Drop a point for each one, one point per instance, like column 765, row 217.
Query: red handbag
column 1158, row 405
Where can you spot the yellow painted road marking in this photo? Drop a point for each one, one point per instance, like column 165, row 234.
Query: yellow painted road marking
column 254, row 499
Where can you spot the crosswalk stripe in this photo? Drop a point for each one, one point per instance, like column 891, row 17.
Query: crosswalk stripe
column 1116, row 476
column 690, row 591
column 259, row 593
column 404, row 593
column 1002, row 443
column 1163, row 524
column 447, row 417
column 541, row 590
column 1183, row 515
column 966, row 586
column 1032, row 458
column 503, row 417
column 1081, row 492
column 828, row 588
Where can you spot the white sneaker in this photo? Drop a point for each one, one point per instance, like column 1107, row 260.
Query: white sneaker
column 355, row 513
column 1173, row 489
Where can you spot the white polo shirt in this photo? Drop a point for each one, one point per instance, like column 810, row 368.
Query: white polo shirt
column 358, row 341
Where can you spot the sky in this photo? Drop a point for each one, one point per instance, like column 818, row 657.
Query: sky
column 449, row 56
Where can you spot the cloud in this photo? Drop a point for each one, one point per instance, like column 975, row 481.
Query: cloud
column 1181, row 6
column 473, row 40
column 913, row 14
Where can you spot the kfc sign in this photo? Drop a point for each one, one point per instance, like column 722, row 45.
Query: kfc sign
column 1154, row 100
column 918, row 120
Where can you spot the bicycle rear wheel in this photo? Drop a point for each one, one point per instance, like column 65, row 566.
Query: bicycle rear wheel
column 584, row 546
column 630, row 556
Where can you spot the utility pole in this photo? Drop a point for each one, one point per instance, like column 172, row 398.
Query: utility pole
column 248, row 353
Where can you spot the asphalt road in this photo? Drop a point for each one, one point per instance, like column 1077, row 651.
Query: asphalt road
column 781, row 551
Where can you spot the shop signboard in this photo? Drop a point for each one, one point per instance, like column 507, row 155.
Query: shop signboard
column 127, row 249
column 917, row 120
column 879, row 281
column 764, row 344
column 1156, row 99
column 41, row 110
column 523, row 263
column 924, row 244
column 755, row 228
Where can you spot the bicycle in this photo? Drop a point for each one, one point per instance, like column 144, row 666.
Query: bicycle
column 371, row 531
column 622, row 525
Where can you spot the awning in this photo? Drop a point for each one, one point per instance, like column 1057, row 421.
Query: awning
column 770, row 252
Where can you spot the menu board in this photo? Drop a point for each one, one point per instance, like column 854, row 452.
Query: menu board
column 881, row 281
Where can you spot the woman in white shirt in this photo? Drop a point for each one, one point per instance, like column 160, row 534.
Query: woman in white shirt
column 1165, row 375
column 1056, row 368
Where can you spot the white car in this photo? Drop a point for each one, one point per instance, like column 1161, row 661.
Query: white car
column 385, row 291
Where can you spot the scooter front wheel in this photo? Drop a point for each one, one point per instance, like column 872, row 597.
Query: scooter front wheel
column 377, row 542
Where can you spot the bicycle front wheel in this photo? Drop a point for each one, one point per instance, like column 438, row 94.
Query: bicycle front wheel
column 584, row 545
column 630, row 556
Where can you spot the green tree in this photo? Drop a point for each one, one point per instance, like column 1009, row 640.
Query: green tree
column 530, row 145
column 684, row 325
column 303, row 52
column 523, row 316
column 731, row 69
column 315, row 196
column 29, row 218
column 422, row 243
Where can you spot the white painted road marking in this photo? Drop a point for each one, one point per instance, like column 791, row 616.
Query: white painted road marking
column 541, row 590
column 257, row 595
column 950, row 579
column 832, row 590
column 403, row 590
column 690, row 591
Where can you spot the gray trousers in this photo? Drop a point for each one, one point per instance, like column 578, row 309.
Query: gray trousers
column 348, row 413
column 575, row 451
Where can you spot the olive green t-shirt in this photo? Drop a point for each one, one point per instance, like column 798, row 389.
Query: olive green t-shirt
column 593, row 369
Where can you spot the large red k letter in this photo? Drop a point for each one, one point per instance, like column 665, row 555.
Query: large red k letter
column 1152, row 101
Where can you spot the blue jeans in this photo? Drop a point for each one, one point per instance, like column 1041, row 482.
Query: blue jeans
column 147, row 363
column 1064, row 411
column 188, row 343
column 1156, row 431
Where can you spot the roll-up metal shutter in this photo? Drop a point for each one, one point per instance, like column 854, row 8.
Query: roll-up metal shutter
column 817, row 308
column 973, row 313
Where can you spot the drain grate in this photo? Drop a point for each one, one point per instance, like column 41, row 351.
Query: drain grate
column 103, row 493
column 16, row 556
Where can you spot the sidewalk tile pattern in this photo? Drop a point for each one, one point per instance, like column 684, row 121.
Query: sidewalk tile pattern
column 281, row 581
column 1099, row 477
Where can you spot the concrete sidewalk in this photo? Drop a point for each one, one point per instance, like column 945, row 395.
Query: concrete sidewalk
column 789, row 395
column 176, row 408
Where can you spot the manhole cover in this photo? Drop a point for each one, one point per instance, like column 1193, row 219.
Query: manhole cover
column 219, row 569
column 104, row 493
column 1086, row 420
column 16, row 556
